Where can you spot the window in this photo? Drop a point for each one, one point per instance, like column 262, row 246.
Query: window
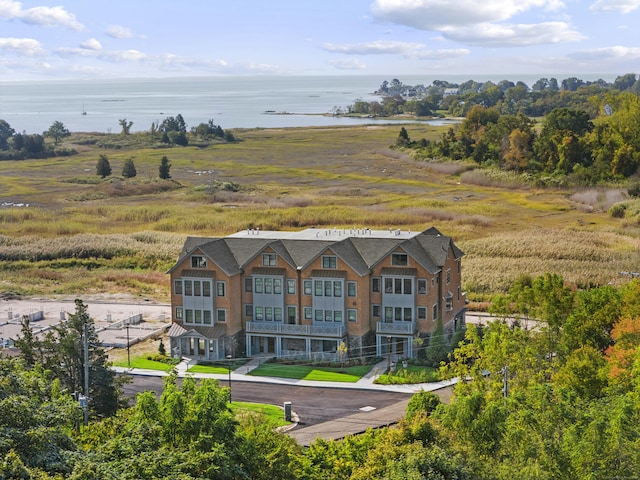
column 458, row 294
column 337, row 316
column 329, row 261
column 352, row 315
column 408, row 286
column 197, row 316
column 188, row 316
column 337, row 289
column 435, row 311
column 291, row 314
column 422, row 313
column 198, row 261
column 259, row 287
column 376, row 311
column 277, row 314
column 188, row 288
column 449, row 302
column 458, row 262
column 259, row 314
column 318, row 314
column 318, row 288
column 206, row 289
column 398, row 286
column 268, row 314
column 408, row 314
column 433, row 281
column 268, row 286
column 448, row 276
column 328, row 315
column 422, row 286
column 277, row 286
column 306, row 285
column 220, row 289
column 206, row 317
column 351, row 289
column 197, row 292
column 388, row 314
column 178, row 313
column 177, row 287
column 308, row 312
column 375, row 284
column 248, row 310
column 399, row 259
column 221, row 315
column 248, row 284
column 269, row 260
column 291, row 286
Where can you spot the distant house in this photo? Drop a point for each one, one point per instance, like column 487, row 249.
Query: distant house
column 451, row 91
column 301, row 294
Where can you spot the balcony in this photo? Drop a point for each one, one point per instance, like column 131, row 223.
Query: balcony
column 397, row 328
column 277, row 328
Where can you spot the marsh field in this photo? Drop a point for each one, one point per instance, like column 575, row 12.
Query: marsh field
column 66, row 231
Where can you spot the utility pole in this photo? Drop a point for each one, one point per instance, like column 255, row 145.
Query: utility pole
column 128, row 352
column 86, row 374
column 505, row 381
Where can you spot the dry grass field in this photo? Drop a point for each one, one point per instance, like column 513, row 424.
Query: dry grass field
column 83, row 235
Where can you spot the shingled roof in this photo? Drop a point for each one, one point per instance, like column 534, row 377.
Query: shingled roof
column 361, row 251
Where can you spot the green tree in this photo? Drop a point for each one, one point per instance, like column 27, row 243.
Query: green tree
column 57, row 131
column 63, row 350
column 6, row 132
column 165, row 166
column 103, row 167
column 27, row 343
column 129, row 169
column 126, row 126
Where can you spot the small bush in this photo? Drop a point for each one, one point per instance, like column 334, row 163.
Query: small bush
column 617, row 210
column 156, row 357
column 422, row 401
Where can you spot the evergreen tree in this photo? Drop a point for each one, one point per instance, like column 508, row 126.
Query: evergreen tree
column 129, row 169
column 63, row 353
column 103, row 168
column 165, row 166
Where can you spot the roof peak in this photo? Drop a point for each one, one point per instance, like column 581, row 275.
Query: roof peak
column 330, row 234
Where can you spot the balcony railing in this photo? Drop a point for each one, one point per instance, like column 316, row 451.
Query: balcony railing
column 401, row 328
column 302, row 330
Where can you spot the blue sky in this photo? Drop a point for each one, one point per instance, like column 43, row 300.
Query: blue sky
column 62, row 39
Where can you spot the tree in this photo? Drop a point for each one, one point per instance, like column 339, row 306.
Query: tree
column 126, row 126
column 6, row 132
column 403, row 137
column 57, row 131
column 129, row 169
column 165, row 165
column 103, row 168
column 27, row 343
column 63, row 351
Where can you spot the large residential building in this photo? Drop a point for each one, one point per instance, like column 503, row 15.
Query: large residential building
column 301, row 294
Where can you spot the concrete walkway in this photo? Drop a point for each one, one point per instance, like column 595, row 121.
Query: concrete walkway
column 241, row 374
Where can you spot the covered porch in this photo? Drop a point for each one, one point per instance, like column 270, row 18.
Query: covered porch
column 198, row 343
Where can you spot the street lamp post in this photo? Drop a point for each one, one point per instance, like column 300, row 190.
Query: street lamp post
column 388, row 353
column 128, row 349
column 229, row 357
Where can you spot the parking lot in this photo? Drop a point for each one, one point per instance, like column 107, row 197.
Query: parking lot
column 144, row 319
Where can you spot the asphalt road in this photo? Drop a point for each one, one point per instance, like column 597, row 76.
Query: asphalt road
column 312, row 404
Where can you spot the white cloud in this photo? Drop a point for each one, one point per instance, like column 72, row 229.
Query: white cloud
column 496, row 35
column 435, row 14
column 608, row 53
column 623, row 6
column 480, row 23
column 374, row 48
column 348, row 64
column 408, row 50
column 118, row 31
column 43, row 16
column 91, row 44
column 22, row 46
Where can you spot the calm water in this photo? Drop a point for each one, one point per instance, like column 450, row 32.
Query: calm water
column 232, row 102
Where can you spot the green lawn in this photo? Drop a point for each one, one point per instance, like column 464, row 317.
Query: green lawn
column 305, row 372
column 209, row 369
column 412, row 374
column 142, row 362
column 272, row 413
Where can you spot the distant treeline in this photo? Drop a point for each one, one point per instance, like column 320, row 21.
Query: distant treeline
column 451, row 99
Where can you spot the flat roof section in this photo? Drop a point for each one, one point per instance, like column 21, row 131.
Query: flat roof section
column 331, row 234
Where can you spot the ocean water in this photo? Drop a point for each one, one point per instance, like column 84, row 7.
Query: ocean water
column 232, row 102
